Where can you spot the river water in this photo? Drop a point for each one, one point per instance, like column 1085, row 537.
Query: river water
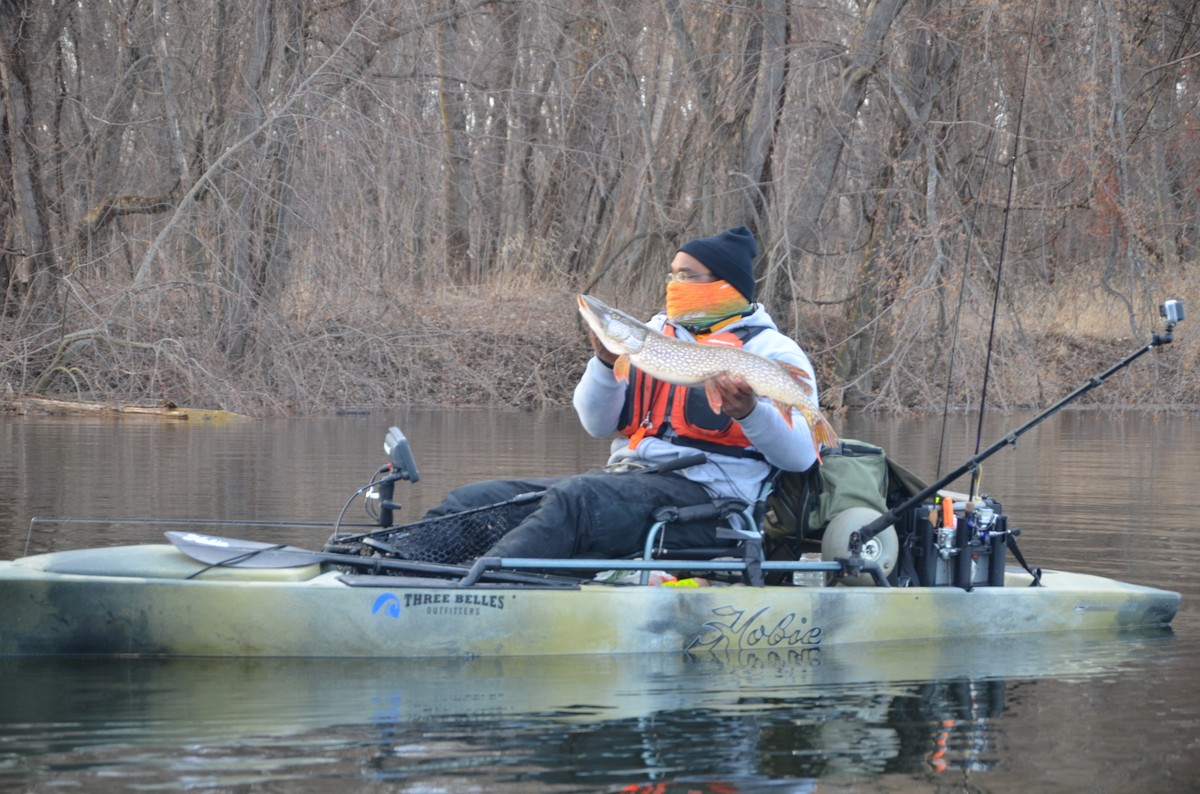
column 1111, row 495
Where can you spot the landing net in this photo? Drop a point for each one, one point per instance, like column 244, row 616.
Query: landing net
column 451, row 539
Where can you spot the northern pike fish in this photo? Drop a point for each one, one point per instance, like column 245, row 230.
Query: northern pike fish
column 695, row 365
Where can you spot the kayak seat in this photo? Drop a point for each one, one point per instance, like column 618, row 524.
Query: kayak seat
column 745, row 534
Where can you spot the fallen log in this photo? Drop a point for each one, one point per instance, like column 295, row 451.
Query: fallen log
column 165, row 410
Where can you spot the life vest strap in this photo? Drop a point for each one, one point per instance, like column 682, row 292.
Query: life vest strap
column 717, row 449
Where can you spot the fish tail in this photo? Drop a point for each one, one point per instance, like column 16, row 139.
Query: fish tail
column 823, row 433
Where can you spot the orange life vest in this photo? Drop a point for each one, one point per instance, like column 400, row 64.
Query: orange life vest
column 656, row 408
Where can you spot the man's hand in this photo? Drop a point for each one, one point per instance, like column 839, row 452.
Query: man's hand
column 602, row 352
column 737, row 398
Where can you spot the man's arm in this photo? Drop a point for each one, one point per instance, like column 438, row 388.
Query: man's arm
column 788, row 448
column 599, row 398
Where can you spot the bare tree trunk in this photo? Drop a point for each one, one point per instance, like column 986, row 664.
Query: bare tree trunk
column 769, row 101
column 861, row 59
column 109, row 137
column 456, row 190
column 281, row 156
column 29, row 245
column 260, row 261
column 1123, row 246
column 864, row 54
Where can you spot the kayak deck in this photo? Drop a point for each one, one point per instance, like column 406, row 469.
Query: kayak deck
column 153, row 600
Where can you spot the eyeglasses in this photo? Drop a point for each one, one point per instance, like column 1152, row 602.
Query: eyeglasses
column 696, row 278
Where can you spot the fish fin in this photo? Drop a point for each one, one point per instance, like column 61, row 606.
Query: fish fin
column 714, row 397
column 785, row 411
column 621, row 367
column 800, row 376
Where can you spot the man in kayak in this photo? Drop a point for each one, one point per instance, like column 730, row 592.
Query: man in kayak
column 606, row 512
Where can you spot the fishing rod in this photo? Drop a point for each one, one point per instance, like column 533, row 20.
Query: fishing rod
column 1012, row 179
column 1171, row 311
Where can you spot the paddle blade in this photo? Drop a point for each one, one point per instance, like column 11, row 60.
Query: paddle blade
column 234, row 553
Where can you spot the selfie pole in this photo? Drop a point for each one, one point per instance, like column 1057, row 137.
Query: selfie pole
column 1171, row 311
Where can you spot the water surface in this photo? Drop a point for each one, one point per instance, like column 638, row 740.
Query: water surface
column 1109, row 495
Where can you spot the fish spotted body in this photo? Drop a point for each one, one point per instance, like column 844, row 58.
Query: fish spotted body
column 695, row 365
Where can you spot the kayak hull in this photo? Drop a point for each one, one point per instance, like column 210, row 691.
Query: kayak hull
column 140, row 601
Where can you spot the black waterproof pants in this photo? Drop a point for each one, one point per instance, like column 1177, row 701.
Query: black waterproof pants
column 596, row 514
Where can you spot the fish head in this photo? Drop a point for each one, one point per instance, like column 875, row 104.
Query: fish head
column 619, row 332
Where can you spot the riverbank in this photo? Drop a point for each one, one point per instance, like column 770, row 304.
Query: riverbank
column 471, row 349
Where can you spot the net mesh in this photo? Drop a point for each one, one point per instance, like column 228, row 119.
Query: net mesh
column 451, row 539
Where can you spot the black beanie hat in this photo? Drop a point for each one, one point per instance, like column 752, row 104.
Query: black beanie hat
column 729, row 255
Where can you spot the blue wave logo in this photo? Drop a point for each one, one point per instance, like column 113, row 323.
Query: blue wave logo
column 388, row 604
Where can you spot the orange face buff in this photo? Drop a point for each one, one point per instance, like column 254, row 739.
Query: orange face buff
column 700, row 305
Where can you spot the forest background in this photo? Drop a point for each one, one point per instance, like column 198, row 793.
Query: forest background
column 289, row 206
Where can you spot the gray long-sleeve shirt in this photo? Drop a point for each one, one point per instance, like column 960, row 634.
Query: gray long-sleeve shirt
column 599, row 398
